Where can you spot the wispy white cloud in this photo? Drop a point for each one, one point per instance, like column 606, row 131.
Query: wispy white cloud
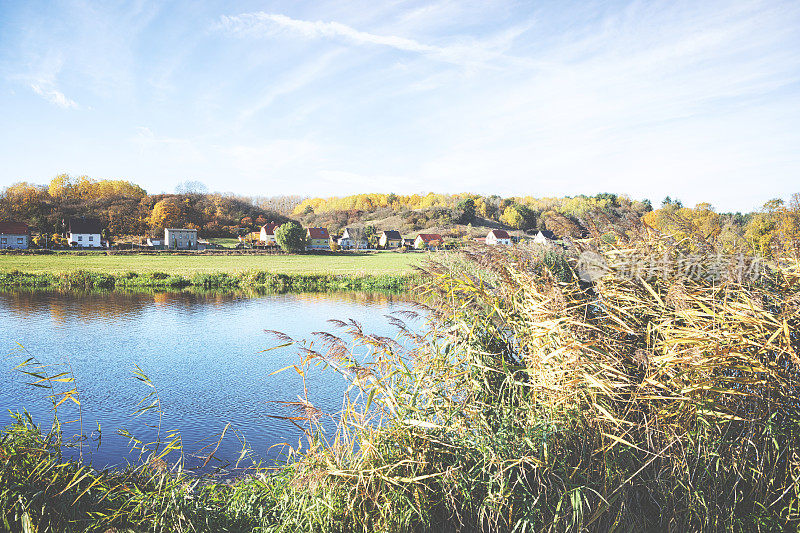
column 468, row 53
column 42, row 78
column 54, row 96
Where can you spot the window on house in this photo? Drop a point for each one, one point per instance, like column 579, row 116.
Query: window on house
column 80, row 238
column 3, row 240
column 20, row 240
column 91, row 237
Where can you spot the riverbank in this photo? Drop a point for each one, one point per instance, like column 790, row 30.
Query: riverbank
column 255, row 279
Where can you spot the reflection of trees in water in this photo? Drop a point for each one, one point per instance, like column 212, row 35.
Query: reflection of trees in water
column 351, row 297
column 63, row 306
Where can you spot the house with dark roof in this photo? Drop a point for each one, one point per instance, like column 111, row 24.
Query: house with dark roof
column 84, row 232
column 428, row 241
column 318, row 239
column 14, row 235
column 545, row 237
column 267, row 234
column 390, row 239
column 498, row 236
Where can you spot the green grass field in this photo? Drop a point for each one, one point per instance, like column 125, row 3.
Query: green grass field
column 229, row 242
column 376, row 263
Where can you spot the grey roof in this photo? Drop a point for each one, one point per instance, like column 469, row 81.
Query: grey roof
column 85, row 225
column 393, row 235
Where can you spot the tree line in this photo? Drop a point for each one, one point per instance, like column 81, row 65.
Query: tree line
column 125, row 208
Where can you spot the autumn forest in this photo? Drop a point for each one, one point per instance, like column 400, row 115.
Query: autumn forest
column 126, row 209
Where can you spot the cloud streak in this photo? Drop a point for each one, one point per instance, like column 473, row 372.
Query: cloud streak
column 261, row 23
column 54, row 96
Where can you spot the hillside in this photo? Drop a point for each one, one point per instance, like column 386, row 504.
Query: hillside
column 125, row 210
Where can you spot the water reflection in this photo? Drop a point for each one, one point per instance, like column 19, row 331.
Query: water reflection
column 103, row 306
column 203, row 352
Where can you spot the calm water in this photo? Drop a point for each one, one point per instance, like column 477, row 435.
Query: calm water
column 200, row 351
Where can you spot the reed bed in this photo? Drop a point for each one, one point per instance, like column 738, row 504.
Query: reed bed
column 537, row 400
column 543, row 402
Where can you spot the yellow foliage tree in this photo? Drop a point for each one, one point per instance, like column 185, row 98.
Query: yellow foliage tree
column 775, row 231
column 511, row 217
column 168, row 213
column 682, row 222
column 60, row 186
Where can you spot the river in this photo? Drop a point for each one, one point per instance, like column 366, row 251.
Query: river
column 203, row 353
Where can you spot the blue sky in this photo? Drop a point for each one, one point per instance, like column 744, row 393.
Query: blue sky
column 697, row 100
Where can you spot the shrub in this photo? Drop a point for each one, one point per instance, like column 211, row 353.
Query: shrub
column 291, row 237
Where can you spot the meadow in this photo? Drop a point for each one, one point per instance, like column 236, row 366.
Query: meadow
column 536, row 400
column 381, row 263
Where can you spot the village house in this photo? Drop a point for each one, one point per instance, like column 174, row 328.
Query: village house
column 408, row 243
column 498, row 236
column 317, row 239
column 180, row 238
column 544, row 237
column 390, row 240
column 352, row 240
column 84, row 232
column 155, row 242
column 14, row 235
column 267, row 235
column 428, row 241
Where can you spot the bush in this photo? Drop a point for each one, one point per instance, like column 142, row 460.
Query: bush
column 291, row 237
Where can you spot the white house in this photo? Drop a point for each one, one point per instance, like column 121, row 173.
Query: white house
column 180, row 238
column 14, row 235
column 84, row 232
column 267, row 235
column 352, row 239
column 544, row 237
column 498, row 236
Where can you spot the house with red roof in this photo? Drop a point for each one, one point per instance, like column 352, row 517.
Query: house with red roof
column 267, row 235
column 428, row 241
column 498, row 236
column 14, row 235
column 318, row 239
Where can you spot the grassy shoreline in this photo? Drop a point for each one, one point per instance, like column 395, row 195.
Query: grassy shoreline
column 391, row 272
column 260, row 280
